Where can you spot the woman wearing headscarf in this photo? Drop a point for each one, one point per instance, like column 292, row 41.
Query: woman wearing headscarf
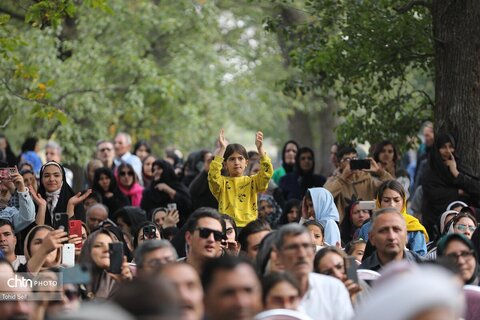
column 461, row 250
column 95, row 253
column 128, row 183
column 296, row 183
column 318, row 204
column 446, row 179
column 57, row 193
column 269, row 209
column 289, row 152
column 391, row 194
column 104, row 184
column 165, row 189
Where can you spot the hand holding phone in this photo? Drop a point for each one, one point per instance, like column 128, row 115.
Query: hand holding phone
column 149, row 232
column 351, row 268
column 60, row 221
column 115, row 250
column 68, row 255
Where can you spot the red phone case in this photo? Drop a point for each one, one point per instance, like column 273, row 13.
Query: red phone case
column 75, row 227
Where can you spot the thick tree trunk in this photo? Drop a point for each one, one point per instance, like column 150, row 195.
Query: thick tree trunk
column 300, row 129
column 327, row 123
column 456, row 29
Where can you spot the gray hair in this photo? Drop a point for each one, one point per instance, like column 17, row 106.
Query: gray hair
column 291, row 229
column 383, row 211
column 152, row 245
column 99, row 142
column 95, row 206
column 128, row 138
column 53, row 145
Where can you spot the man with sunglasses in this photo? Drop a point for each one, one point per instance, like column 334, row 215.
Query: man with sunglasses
column 358, row 183
column 322, row 297
column 205, row 230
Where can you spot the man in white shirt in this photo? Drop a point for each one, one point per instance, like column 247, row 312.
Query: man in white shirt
column 323, row 297
column 122, row 145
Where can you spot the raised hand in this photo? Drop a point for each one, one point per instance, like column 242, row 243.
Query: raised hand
column 452, row 165
column 259, row 142
column 78, row 198
column 17, row 179
column 222, row 142
column 171, row 219
column 37, row 197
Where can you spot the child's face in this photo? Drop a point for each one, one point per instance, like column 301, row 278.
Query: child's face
column 236, row 164
column 317, row 235
column 358, row 251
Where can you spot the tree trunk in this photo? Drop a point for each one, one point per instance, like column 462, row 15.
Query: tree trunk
column 327, row 123
column 456, row 30
column 299, row 128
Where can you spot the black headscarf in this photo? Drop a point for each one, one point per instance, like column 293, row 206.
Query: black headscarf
column 436, row 161
column 65, row 194
column 288, row 167
column 113, row 187
column 301, row 151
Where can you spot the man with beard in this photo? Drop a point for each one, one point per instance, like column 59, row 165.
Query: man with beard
column 322, row 297
column 232, row 289
column 205, row 232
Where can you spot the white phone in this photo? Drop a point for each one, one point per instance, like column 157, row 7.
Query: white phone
column 68, row 255
column 366, row 205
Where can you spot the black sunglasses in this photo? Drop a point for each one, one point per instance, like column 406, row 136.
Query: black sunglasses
column 204, row 233
column 124, row 173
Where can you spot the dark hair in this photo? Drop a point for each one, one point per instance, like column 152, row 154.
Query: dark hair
column 226, row 262
column 286, row 209
column 251, row 228
column 322, row 253
column 203, row 212
column 463, row 214
column 228, row 218
column 379, row 148
column 96, row 178
column 252, row 153
column 235, row 147
column 95, row 196
column 271, row 280
column 29, row 144
column 345, row 150
column 139, row 144
column 128, row 166
column 315, row 223
column 393, row 185
column 5, row 222
column 264, row 252
column 168, row 174
column 351, row 245
column 169, row 232
column 301, row 151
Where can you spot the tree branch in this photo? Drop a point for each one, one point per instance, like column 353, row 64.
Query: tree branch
column 412, row 4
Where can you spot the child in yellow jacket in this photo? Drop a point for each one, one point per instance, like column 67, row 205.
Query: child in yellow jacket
column 236, row 193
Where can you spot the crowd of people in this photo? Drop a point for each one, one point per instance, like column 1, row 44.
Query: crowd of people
column 224, row 235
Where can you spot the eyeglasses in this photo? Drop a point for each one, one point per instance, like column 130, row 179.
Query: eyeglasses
column 464, row 254
column 339, row 266
column 124, row 173
column 296, row 247
column 462, row 227
column 105, row 149
column 204, row 233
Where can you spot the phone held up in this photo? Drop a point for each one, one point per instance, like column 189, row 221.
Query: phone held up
column 351, row 268
column 359, row 164
column 149, row 232
column 172, row 206
column 366, row 205
column 115, row 250
column 6, row 173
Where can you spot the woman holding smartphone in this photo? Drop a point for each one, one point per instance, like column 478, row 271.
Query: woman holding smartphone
column 104, row 259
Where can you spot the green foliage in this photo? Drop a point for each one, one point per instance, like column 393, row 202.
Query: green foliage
column 377, row 62
column 170, row 72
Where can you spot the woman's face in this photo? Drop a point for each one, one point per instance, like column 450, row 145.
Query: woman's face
column 160, row 218
column 104, row 182
column 332, row 265
column 36, row 243
column 463, row 258
column 157, row 173
column 316, row 234
column 446, row 151
column 147, row 166
column 310, row 209
column 290, row 153
column 30, row 180
column 359, row 216
column 358, row 251
column 293, row 214
column 265, row 208
column 306, row 161
column 126, row 177
column 142, row 152
column 100, row 254
column 465, row 226
column 283, row 295
column 391, row 199
column 387, row 154
column 52, row 178
column 230, row 231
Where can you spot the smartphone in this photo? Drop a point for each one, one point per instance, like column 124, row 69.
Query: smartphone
column 351, row 268
column 12, row 171
column 366, row 205
column 75, row 227
column 359, row 164
column 68, row 255
column 115, row 249
column 149, row 232
column 60, row 221
column 172, row 206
